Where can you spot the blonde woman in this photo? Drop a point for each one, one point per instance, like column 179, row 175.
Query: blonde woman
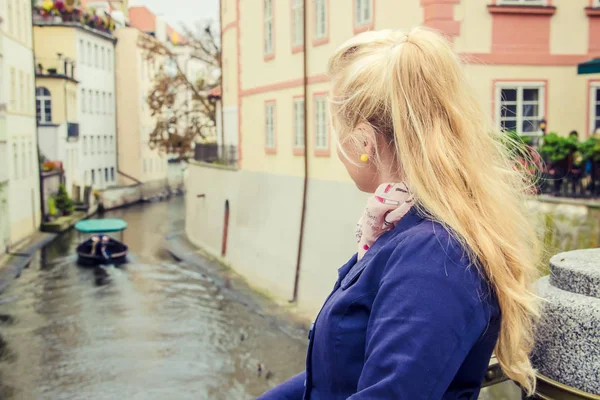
column 445, row 256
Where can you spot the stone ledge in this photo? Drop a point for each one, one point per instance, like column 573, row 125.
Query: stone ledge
column 566, row 345
column 212, row 165
column 577, row 271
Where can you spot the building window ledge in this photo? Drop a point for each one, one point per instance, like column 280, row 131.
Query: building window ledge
column 519, row 9
column 592, row 11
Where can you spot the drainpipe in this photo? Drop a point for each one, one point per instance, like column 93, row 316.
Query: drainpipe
column 37, row 142
column 305, row 187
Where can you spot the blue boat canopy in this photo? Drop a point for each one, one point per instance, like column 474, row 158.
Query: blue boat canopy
column 101, row 225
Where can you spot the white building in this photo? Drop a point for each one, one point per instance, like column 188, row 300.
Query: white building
column 92, row 52
column 19, row 194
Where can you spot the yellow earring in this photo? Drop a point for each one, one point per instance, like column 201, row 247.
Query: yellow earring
column 364, row 158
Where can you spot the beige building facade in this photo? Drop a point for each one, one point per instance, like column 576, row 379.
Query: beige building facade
column 135, row 76
column 19, row 179
column 520, row 56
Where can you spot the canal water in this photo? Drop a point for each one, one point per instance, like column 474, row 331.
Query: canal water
column 154, row 329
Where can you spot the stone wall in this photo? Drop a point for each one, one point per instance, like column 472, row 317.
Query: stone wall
column 566, row 224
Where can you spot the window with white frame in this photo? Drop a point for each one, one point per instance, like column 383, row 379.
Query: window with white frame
column 594, row 107
column 297, row 22
column 96, row 56
column 322, row 142
column 83, row 104
column 91, row 101
column 270, row 125
column 85, row 145
column 268, row 17
column 15, row 162
column 320, row 19
column 522, row 2
column 88, row 55
column 102, row 58
column 82, row 51
column 299, row 124
column 98, row 102
column 43, row 105
column 363, row 13
column 13, row 89
column 22, row 91
column 520, row 107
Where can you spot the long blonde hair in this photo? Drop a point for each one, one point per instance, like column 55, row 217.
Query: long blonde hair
column 410, row 87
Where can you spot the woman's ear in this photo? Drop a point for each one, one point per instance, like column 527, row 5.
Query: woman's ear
column 366, row 133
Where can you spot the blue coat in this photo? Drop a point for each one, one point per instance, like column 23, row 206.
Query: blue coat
column 413, row 319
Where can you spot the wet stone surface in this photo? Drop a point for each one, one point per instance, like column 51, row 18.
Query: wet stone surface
column 154, row 329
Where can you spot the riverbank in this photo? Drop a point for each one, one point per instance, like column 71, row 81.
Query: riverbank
column 18, row 258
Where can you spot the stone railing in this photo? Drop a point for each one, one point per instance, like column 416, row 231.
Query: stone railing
column 567, row 350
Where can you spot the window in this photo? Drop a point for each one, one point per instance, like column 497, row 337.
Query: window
column 594, row 107
column 102, row 55
column 91, row 101
column 13, row 89
column 297, row 23
column 85, row 177
column 21, row 91
column 112, row 145
column 29, row 159
column 88, row 56
column 43, row 105
column 110, row 61
column 105, row 174
column 322, row 141
column 268, row 17
column 363, row 13
column 15, row 161
column 82, row 51
column 85, row 144
column 299, row 124
column 93, row 177
column 270, row 126
column 10, row 20
column 520, row 107
column 522, row 2
column 98, row 102
column 100, row 176
column 26, row 22
column 110, row 104
column 23, row 154
column 105, row 144
column 18, row 32
column 83, row 100
column 112, row 174
column 320, row 19
column 28, row 103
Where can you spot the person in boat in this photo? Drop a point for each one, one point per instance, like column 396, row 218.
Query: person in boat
column 95, row 240
column 104, row 248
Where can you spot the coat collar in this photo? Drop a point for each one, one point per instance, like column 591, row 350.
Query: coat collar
column 352, row 268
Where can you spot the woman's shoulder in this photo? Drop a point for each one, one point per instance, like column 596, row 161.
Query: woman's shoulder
column 429, row 254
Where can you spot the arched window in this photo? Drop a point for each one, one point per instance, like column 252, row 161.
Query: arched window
column 43, row 105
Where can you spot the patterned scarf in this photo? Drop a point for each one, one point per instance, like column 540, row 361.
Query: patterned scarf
column 389, row 203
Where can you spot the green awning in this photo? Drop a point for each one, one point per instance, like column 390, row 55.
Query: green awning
column 101, row 225
column 589, row 67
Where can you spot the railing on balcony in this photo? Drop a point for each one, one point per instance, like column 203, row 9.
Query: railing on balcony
column 216, row 154
column 72, row 130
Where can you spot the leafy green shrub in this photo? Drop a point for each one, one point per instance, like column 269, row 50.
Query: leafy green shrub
column 590, row 149
column 558, row 148
column 63, row 202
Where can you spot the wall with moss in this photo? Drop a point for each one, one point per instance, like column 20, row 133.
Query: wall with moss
column 566, row 224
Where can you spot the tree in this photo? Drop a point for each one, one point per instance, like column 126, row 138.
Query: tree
column 62, row 201
column 184, row 111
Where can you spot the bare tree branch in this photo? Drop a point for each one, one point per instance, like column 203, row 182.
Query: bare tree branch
column 184, row 111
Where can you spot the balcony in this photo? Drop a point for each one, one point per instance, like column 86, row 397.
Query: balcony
column 72, row 130
column 216, row 154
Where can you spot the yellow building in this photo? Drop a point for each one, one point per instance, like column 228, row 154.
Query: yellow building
column 521, row 58
column 19, row 179
column 135, row 76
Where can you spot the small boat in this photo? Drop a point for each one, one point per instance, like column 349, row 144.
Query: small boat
column 98, row 227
